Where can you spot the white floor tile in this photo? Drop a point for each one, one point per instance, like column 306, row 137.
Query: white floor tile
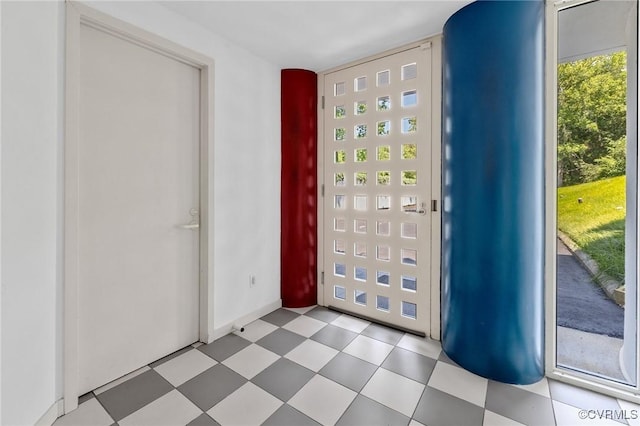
column 423, row 346
column 251, row 360
column 172, row 409
column 351, row 323
column 305, row 326
column 493, row 419
column 185, row 367
column 301, row 311
column 122, row 379
column 632, row 412
column 415, row 423
column 249, row 405
column 568, row 415
column 256, row 330
column 541, row 387
column 323, row 400
column 197, row 344
column 368, row 349
column 459, row 383
column 394, row 391
column 312, row 355
column 90, row 413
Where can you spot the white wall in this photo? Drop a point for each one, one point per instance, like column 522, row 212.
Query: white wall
column 246, row 160
column 246, row 188
column 31, row 104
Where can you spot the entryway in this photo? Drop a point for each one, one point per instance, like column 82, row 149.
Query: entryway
column 136, row 139
column 381, row 158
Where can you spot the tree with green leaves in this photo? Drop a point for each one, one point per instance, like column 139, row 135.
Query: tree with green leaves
column 592, row 113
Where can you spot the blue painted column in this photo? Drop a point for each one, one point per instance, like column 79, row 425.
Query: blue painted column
column 493, row 185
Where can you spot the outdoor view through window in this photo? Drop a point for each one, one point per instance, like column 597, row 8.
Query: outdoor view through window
column 593, row 180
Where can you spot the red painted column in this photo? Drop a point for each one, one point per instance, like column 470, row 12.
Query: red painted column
column 299, row 201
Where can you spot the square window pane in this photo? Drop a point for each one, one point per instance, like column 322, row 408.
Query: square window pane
column 383, row 153
column 360, row 226
column 340, row 156
column 409, row 310
column 384, row 178
column 340, row 202
column 409, row 124
column 360, row 131
column 339, row 292
column 383, row 78
column 409, row 177
column 382, row 278
column 339, row 246
column 409, row 283
column 409, row 98
column 409, row 257
column 382, row 228
column 382, row 303
column 339, row 112
column 339, row 224
column 360, row 249
column 360, row 84
column 409, row 230
column 360, row 154
column 383, row 253
column 339, row 89
column 360, row 273
column 383, row 202
column 384, row 127
column 360, row 107
column 339, row 179
column 384, row 103
column 409, row 203
column 409, row 71
column 339, row 270
column 339, row 134
column 360, row 297
column 360, row 202
column 360, row 178
column 409, row 151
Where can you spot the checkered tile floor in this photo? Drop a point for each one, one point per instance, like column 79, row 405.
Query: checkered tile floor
column 314, row 366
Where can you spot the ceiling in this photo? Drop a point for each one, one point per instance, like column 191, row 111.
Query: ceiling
column 318, row 35
column 593, row 29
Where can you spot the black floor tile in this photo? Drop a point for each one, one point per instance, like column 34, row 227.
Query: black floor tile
column 410, row 364
column 283, row 378
column 134, row 394
column 281, row 341
column 439, row 408
column 280, row 317
column 364, row 411
column 323, row 314
column 349, row 371
column 382, row 333
column 288, row 416
column 224, row 347
column 207, row 389
column 203, row 420
column 518, row 404
column 335, row 337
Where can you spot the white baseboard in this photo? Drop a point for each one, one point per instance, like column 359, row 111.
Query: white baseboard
column 52, row 414
column 244, row 320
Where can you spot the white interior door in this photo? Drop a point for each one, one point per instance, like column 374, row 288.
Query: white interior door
column 378, row 189
column 138, row 182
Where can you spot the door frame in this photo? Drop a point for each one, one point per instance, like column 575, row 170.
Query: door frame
column 76, row 15
column 434, row 43
column 552, row 370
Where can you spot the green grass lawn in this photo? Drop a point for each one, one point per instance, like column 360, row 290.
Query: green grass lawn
column 597, row 224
